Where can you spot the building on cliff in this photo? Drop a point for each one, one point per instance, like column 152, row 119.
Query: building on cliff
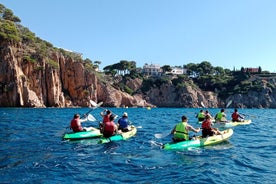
column 152, row 70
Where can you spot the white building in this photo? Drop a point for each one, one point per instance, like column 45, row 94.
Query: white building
column 152, row 70
column 178, row 71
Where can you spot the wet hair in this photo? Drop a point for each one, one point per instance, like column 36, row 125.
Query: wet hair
column 184, row 118
column 111, row 118
column 222, row 110
column 76, row 116
column 108, row 112
column 207, row 117
column 236, row 110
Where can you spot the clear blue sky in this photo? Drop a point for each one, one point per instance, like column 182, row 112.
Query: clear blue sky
column 232, row 33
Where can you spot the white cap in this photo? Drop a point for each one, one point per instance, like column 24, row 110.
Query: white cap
column 125, row 114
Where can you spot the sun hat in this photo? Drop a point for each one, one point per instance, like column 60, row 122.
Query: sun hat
column 125, row 114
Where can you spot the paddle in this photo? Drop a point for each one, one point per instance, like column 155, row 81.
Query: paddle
column 229, row 103
column 161, row 136
column 91, row 118
column 95, row 104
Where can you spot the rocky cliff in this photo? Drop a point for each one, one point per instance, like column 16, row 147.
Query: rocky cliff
column 53, row 81
column 262, row 98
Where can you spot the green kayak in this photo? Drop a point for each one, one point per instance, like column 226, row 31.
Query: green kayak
column 83, row 135
column 199, row 141
column 119, row 137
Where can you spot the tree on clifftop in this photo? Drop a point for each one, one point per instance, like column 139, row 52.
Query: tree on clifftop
column 7, row 14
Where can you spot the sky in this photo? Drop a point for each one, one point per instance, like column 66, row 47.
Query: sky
column 227, row 33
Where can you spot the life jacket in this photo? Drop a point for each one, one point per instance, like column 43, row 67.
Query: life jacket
column 109, row 127
column 76, row 126
column 235, row 116
column 123, row 123
column 219, row 116
column 206, row 124
column 181, row 132
column 106, row 118
column 200, row 115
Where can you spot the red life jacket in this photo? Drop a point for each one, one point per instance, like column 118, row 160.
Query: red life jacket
column 109, row 127
column 235, row 116
column 76, row 126
column 206, row 124
column 106, row 118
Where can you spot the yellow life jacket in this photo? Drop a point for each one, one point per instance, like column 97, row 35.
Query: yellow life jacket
column 181, row 132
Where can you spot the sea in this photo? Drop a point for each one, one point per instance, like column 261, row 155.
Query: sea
column 32, row 149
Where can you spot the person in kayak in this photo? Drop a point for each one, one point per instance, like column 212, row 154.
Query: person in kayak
column 181, row 130
column 109, row 127
column 76, row 124
column 123, row 123
column 221, row 116
column 237, row 117
column 105, row 115
column 200, row 116
column 207, row 129
column 207, row 113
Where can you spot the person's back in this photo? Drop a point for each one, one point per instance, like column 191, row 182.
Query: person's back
column 106, row 116
column 201, row 115
column 180, row 132
column 206, row 127
column 75, row 123
column 220, row 117
column 109, row 127
column 236, row 116
column 123, row 123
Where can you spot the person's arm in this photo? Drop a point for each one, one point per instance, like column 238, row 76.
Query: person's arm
column 102, row 113
column 83, row 120
column 189, row 127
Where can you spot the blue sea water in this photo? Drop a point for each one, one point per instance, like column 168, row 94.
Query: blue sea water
column 32, row 150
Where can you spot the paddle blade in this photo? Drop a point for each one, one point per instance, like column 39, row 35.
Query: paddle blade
column 91, row 118
column 99, row 104
column 160, row 136
column 94, row 104
column 229, row 103
column 202, row 104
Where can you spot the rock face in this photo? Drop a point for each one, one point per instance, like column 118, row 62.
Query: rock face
column 169, row 96
column 53, row 81
column 264, row 98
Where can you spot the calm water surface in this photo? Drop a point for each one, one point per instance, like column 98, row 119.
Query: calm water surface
column 32, row 150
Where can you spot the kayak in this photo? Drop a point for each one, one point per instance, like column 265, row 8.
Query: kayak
column 229, row 124
column 83, row 135
column 200, row 122
column 235, row 123
column 119, row 137
column 199, row 141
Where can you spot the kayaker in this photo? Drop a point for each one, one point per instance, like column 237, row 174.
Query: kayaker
column 105, row 115
column 181, row 130
column 109, row 127
column 123, row 123
column 76, row 124
column 207, row 113
column 200, row 116
column 221, row 116
column 207, row 129
column 237, row 117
